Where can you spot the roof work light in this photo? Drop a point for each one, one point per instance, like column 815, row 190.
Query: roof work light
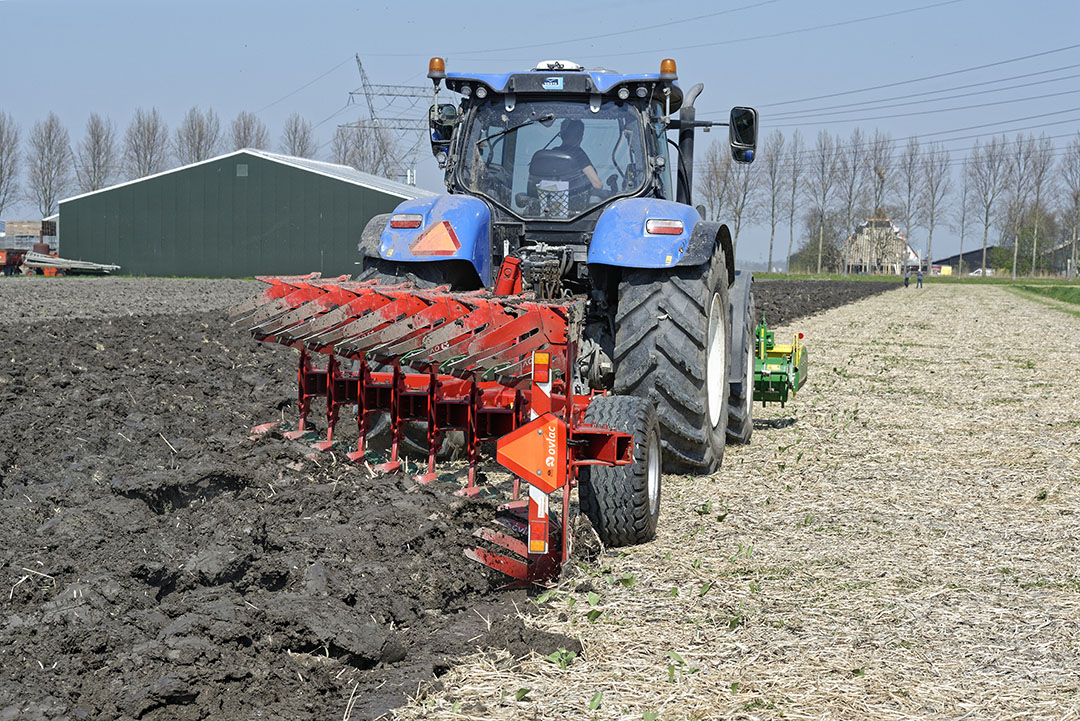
column 667, row 69
column 436, row 69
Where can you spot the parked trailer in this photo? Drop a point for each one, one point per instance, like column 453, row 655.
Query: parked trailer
column 53, row 265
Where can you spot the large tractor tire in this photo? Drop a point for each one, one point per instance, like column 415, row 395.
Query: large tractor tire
column 671, row 349
column 623, row 502
column 740, row 424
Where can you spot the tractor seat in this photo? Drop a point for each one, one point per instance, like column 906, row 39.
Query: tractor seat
column 566, row 189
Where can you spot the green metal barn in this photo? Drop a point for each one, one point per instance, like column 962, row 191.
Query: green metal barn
column 246, row 213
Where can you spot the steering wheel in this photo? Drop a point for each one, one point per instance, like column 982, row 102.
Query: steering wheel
column 497, row 180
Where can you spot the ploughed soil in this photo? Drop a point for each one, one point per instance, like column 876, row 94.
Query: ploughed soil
column 158, row 563
column 786, row 300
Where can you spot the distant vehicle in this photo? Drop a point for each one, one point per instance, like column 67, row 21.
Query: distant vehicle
column 978, row 272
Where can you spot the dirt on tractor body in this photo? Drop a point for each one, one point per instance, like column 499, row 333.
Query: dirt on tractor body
column 160, row 564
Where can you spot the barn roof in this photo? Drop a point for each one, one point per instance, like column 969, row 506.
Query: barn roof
column 343, row 173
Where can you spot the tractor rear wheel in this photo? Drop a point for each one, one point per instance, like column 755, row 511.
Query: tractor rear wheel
column 671, row 349
column 740, row 425
column 623, row 502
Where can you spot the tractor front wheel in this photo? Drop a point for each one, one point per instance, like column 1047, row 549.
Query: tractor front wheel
column 623, row 502
column 671, row 348
column 741, row 399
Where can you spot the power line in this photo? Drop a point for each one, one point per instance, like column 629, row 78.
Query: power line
column 795, row 113
column 668, row 49
column 1057, row 152
column 590, row 38
column 925, row 77
column 781, row 34
column 303, row 87
column 843, row 146
column 1004, row 122
column 907, row 115
column 334, row 114
column 651, row 27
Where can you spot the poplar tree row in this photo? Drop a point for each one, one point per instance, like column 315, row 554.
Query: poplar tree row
column 44, row 166
column 1019, row 196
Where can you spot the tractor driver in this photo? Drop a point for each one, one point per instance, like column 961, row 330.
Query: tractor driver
column 571, row 132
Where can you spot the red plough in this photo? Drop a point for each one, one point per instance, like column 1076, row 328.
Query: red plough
column 493, row 367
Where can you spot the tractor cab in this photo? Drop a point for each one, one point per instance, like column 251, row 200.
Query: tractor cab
column 565, row 170
column 560, row 160
column 556, row 143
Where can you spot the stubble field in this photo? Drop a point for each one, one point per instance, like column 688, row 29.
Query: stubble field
column 901, row 542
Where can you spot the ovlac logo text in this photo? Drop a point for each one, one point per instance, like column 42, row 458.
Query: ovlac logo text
column 552, row 440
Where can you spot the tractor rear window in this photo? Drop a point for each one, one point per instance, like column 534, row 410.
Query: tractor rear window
column 553, row 158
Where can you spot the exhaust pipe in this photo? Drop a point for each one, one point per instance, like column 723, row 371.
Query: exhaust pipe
column 687, row 113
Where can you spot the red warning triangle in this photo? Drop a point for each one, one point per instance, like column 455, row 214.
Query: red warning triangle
column 537, row 452
column 438, row 239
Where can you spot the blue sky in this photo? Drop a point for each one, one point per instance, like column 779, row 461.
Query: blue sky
column 277, row 57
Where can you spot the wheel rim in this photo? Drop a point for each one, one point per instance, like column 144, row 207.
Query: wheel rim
column 652, row 470
column 716, row 361
column 748, row 384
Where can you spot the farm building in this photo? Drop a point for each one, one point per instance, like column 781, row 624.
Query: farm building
column 246, row 213
column 971, row 259
column 878, row 246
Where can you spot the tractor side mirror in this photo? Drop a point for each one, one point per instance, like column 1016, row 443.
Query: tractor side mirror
column 742, row 134
column 442, row 119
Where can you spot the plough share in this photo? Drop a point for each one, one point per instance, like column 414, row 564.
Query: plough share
column 496, row 368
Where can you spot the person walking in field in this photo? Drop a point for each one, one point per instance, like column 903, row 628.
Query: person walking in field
column 907, row 277
column 918, row 278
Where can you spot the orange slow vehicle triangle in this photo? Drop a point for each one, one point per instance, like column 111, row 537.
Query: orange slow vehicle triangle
column 538, row 457
column 438, row 239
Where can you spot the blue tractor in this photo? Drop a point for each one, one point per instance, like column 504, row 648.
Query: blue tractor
column 560, row 183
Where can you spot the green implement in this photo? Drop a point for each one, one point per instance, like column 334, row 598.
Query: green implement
column 779, row 370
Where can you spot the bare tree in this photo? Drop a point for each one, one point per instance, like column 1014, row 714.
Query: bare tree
column 774, row 184
column 1042, row 163
column 9, row 160
column 908, row 198
column 146, row 145
column 741, row 200
column 369, row 149
column 851, row 179
column 795, row 169
column 198, row 137
column 821, row 182
column 297, row 138
column 1020, row 159
column 95, row 159
column 880, row 162
column 988, row 170
column 715, row 179
column 249, row 132
column 937, row 184
column 1070, row 176
column 965, row 176
column 48, row 163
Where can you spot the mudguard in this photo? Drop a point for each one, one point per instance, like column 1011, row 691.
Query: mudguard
column 704, row 239
column 738, row 300
column 620, row 238
column 453, row 227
